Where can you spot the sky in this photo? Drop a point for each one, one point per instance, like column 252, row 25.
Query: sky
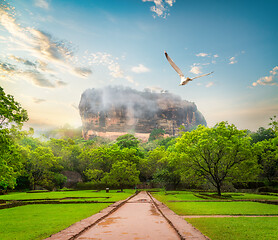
column 53, row 50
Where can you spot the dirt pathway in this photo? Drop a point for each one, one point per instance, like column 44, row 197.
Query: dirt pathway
column 137, row 219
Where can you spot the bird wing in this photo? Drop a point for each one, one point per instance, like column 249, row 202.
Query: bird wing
column 174, row 65
column 202, row 75
column 184, row 80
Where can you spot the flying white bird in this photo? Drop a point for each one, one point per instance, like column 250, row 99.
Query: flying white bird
column 183, row 79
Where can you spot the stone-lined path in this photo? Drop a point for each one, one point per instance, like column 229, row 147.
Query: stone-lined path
column 139, row 217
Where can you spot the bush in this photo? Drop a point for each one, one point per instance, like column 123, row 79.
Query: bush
column 267, row 189
column 248, row 185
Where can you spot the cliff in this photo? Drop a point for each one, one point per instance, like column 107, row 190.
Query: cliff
column 116, row 110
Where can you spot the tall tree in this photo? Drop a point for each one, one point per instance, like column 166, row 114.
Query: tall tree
column 123, row 173
column 127, row 141
column 217, row 154
column 262, row 134
column 267, row 155
column 12, row 115
column 42, row 166
column 11, row 111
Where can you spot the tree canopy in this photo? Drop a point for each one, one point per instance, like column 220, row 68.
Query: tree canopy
column 10, row 110
column 217, row 153
column 12, row 115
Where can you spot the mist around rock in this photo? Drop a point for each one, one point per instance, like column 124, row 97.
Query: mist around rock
column 123, row 109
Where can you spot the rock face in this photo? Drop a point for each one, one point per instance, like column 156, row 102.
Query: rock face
column 72, row 178
column 121, row 110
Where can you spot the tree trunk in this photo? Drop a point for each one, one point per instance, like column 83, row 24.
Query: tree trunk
column 218, row 186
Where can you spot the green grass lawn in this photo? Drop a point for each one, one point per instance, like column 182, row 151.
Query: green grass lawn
column 242, row 228
column 92, row 196
column 41, row 220
column 176, row 196
column 245, row 196
column 223, row 208
column 239, row 228
column 191, row 196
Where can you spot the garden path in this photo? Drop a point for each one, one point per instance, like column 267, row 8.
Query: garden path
column 139, row 218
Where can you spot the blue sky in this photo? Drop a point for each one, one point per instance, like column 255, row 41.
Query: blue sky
column 51, row 51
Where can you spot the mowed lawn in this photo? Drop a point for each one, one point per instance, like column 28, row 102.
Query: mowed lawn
column 38, row 221
column 113, row 195
column 238, row 228
column 223, row 208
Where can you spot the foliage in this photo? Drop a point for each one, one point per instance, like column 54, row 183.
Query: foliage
column 59, row 180
column 94, row 174
column 274, row 124
column 217, row 154
column 262, row 134
column 167, row 172
column 127, row 141
column 12, row 115
column 10, row 111
column 123, row 173
column 156, row 133
column 267, row 155
column 41, row 166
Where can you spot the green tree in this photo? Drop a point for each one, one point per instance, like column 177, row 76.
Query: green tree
column 94, row 175
column 165, row 167
column 12, row 115
column 262, row 134
column 11, row 159
column 156, row 133
column 42, row 166
column 11, row 111
column 127, row 141
column 102, row 158
column 123, row 173
column 218, row 154
column 274, row 124
column 267, row 155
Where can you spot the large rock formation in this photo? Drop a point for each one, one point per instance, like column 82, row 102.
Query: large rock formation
column 113, row 111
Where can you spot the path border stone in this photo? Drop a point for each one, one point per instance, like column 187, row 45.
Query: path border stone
column 184, row 229
column 78, row 228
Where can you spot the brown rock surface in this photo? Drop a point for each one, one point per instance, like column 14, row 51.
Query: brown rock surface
column 118, row 109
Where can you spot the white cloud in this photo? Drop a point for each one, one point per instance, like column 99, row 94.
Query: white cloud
column 161, row 8
column 82, row 72
column 36, row 78
column 140, row 69
column 202, row 54
column 271, row 80
column 215, row 55
column 22, row 60
column 196, row 69
column 210, row 84
column 106, row 59
column 61, row 83
column 274, row 70
column 41, row 46
column 156, row 89
column 232, row 60
column 38, row 100
column 42, row 4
